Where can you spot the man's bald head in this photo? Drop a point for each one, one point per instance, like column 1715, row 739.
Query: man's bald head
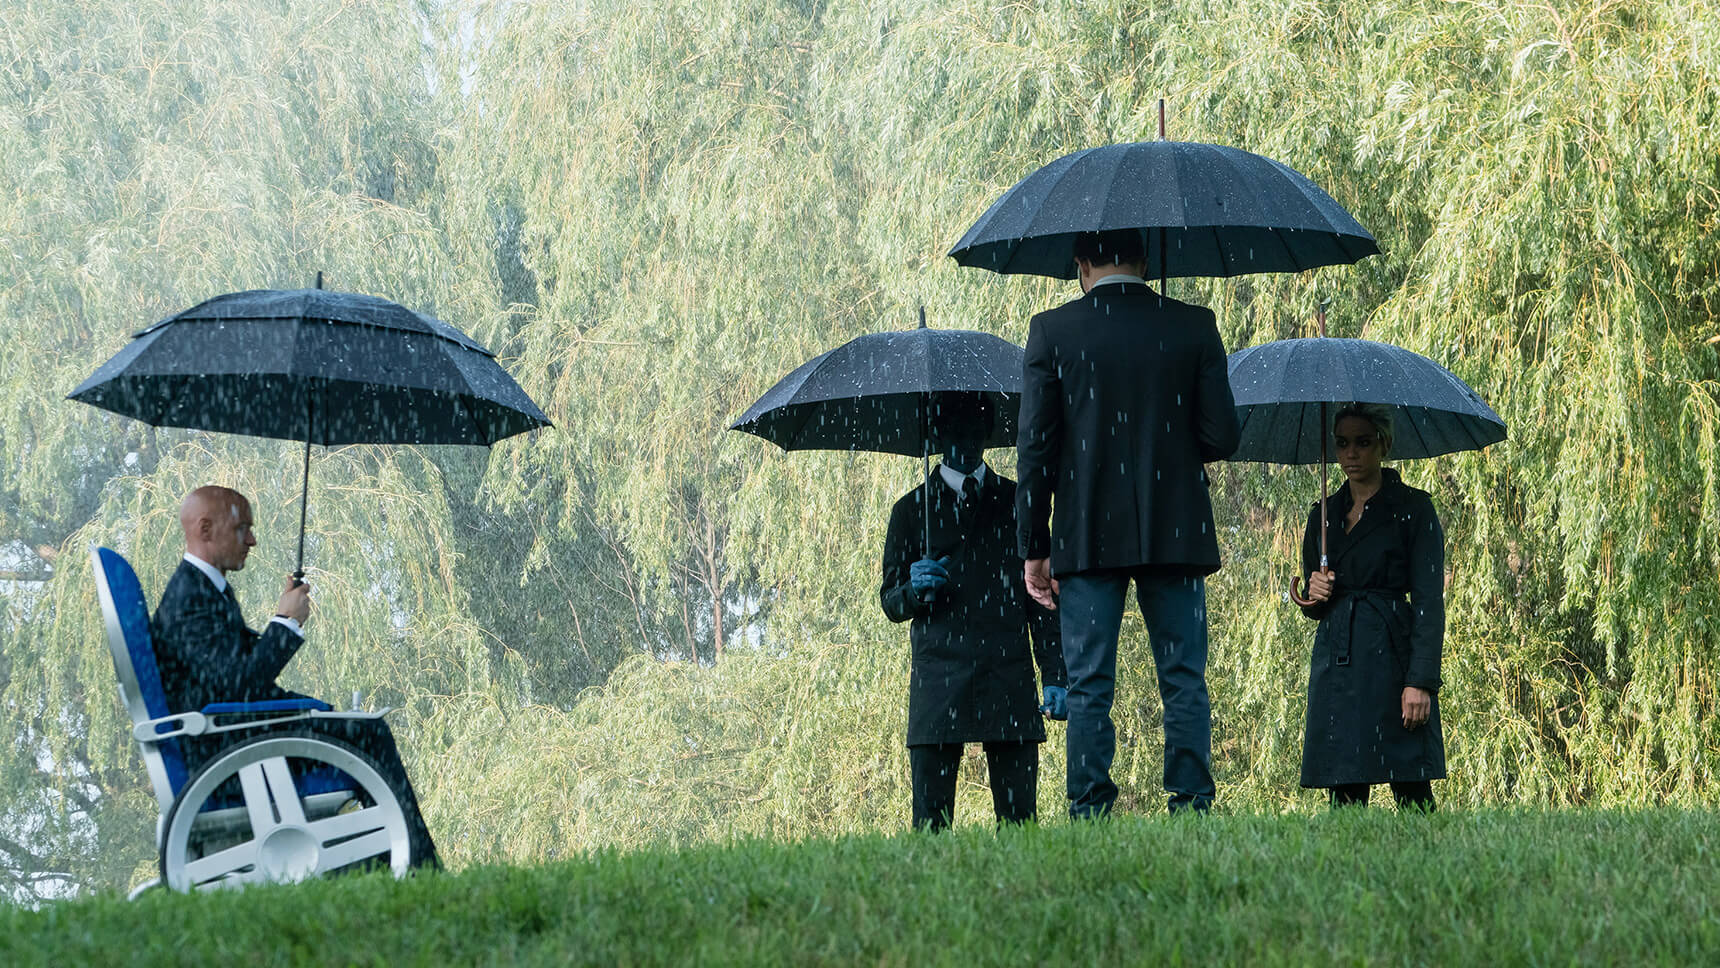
column 217, row 525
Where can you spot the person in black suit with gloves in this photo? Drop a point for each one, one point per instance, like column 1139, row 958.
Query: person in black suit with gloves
column 206, row 653
column 972, row 672
column 1125, row 397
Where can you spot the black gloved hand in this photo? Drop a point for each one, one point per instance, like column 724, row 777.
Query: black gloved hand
column 927, row 576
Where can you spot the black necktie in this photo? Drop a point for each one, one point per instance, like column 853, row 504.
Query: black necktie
column 970, row 490
column 970, row 501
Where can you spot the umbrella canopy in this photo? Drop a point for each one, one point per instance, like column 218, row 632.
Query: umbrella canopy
column 873, row 392
column 309, row 364
column 877, row 393
column 1214, row 211
column 313, row 365
column 1282, row 389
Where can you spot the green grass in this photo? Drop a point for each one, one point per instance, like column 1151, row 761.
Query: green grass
column 1359, row 887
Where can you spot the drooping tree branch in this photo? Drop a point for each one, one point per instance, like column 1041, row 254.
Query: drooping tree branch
column 23, row 857
column 25, row 576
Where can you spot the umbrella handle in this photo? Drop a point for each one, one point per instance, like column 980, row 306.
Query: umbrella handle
column 1295, row 594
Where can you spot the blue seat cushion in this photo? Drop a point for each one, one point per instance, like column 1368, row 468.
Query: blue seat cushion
column 268, row 706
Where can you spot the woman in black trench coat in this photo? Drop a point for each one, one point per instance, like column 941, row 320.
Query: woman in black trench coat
column 1373, row 682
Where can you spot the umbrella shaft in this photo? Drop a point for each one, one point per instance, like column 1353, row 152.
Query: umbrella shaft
column 1324, row 482
column 305, row 490
column 926, row 469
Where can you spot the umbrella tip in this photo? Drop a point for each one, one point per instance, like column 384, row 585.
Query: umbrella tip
column 319, row 278
column 922, row 315
column 1161, row 119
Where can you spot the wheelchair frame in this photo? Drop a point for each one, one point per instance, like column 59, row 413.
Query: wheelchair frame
column 288, row 828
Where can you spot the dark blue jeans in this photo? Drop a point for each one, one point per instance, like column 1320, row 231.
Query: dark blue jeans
column 1091, row 606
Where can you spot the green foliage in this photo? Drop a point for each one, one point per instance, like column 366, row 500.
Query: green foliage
column 1364, row 887
column 640, row 628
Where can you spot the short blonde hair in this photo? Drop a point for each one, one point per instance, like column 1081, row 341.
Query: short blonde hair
column 1373, row 413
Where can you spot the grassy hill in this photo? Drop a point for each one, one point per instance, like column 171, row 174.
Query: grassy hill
column 1358, row 887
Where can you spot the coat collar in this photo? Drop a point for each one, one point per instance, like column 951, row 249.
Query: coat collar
column 208, row 571
column 1116, row 278
column 1117, row 286
column 955, row 478
column 1384, row 501
column 945, row 500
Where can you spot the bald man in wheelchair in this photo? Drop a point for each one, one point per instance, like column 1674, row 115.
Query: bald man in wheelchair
column 207, row 654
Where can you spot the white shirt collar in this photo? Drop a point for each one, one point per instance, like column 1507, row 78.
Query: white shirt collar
column 206, row 568
column 1114, row 278
column 954, row 478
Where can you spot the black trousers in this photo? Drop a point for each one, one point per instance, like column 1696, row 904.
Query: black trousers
column 1417, row 794
column 375, row 740
column 1014, row 771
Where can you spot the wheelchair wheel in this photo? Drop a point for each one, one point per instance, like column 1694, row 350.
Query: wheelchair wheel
column 279, row 835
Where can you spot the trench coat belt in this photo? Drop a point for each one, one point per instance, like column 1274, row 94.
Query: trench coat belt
column 1381, row 600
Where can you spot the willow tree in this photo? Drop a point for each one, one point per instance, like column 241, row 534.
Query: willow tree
column 672, row 208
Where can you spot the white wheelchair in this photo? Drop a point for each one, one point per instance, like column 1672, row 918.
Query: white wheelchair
column 277, row 806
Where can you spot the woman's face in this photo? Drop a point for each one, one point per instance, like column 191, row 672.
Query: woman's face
column 1358, row 446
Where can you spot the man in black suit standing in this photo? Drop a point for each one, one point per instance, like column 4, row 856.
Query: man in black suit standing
column 971, row 676
column 1125, row 397
column 206, row 653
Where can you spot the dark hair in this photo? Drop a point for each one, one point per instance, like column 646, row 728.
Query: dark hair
column 1114, row 246
column 1377, row 415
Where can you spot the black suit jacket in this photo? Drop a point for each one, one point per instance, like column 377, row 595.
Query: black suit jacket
column 972, row 671
column 205, row 651
column 1125, row 396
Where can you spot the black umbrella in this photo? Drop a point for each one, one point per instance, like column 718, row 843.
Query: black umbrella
column 324, row 367
column 876, row 392
column 1283, row 391
column 1205, row 210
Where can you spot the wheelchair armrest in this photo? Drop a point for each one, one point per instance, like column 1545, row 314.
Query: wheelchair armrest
column 355, row 714
column 257, row 720
column 167, row 727
column 286, row 716
column 267, row 706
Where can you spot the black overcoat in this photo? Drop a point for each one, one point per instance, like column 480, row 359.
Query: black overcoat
column 1125, row 396
column 1371, row 642
column 971, row 677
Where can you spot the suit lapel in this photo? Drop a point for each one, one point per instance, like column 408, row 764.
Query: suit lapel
column 952, row 526
column 235, row 614
column 941, row 505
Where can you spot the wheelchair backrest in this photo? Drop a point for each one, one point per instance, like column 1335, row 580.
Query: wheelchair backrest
column 127, row 618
